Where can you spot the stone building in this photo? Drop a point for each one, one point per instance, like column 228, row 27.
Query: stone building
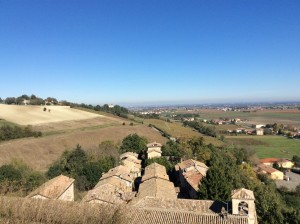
column 120, row 177
column 114, row 187
column 156, row 183
column 241, row 210
column 130, row 160
column 190, row 173
column 154, row 150
column 58, row 188
column 270, row 171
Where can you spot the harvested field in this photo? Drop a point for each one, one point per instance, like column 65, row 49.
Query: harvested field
column 39, row 153
column 34, row 115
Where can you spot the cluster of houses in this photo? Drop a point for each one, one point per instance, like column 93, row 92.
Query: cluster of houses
column 266, row 167
column 156, row 196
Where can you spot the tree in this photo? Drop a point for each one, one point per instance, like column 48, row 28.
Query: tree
column 1, row 101
column 172, row 148
column 10, row 173
column 133, row 143
column 84, row 168
column 296, row 160
column 10, row 100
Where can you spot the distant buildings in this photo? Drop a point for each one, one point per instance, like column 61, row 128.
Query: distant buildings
column 284, row 163
column 270, row 171
column 259, row 131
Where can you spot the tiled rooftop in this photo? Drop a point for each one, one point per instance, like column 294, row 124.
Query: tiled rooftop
column 155, row 170
column 53, row 188
column 158, row 188
column 190, row 162
column 120, row 171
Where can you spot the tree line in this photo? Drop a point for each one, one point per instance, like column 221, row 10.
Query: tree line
column 31, row 100
column 206, row 130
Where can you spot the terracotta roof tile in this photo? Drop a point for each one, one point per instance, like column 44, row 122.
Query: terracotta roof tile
column 194, row 178
column 190, row 162
column 268, row 160
column 267, row 169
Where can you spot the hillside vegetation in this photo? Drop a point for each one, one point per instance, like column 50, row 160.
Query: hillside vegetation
column 177, row 130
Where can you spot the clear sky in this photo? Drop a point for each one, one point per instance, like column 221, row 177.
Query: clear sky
column 151, row 51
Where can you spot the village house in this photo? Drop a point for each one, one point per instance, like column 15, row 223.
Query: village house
column 26, row 102
column 257, row 126
column 108, row 194
column 270, row 171
column 58, row 188
column 156, row 183
column 130, row 160
column 241, row 210
column 259, row 131
column 190, row 174
column 249, row 131
column 154, row 150
column 217, row 122
column 120, row 177
column 284, row 163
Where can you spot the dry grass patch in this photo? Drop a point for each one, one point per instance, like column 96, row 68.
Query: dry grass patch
column 39, row 153
column 26, row 210
column 33, row 115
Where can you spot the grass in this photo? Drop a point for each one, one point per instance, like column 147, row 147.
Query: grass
column 268, row 146
column 25, row 210
column 39, row 153
column 176, row 130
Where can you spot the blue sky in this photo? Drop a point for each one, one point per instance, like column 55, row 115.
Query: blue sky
column 152, row 51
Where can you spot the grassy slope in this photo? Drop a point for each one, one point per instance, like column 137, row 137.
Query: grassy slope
column 39, row 153
column 268, row 146
column 177, row 130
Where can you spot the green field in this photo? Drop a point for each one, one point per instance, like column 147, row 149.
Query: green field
column 268, row 146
